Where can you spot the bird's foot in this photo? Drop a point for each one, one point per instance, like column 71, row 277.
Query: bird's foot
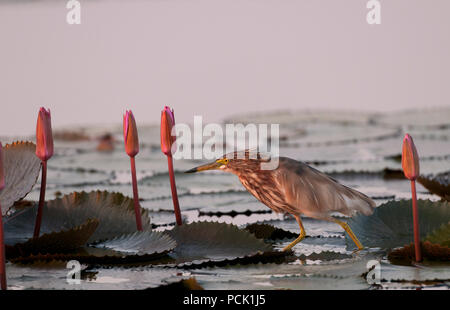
column 357, row 250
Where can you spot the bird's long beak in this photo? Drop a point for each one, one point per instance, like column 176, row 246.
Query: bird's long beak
column 211, row 166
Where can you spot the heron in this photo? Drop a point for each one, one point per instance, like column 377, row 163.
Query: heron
column 294, row 187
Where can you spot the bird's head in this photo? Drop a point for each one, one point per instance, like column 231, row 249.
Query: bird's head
column 236, row 162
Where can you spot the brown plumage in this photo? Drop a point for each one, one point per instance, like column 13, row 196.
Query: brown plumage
column 295, row 188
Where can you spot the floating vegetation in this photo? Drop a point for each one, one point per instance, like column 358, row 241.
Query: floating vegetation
column 140, row 243
column 391, row 224
column 209, row 241
column 61, row 242
column 325, row 256
column 438, row 185
column 190, row 284
column 440, row 236
column 430, row 252
column 114, row 211
column 266, row 231
column 21, row 172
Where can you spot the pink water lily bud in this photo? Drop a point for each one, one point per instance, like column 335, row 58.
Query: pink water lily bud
column 410, row 158
column 2, row 171
column 130, row 134
column 44, row 136
column 167, row 123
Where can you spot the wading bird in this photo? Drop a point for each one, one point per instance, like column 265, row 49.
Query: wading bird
column 295, row 188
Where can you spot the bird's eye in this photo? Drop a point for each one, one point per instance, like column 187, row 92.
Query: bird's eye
column 223, row 161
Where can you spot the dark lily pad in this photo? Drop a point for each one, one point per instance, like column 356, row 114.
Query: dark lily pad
column 430, row 252
column 270, row 257
column 190, row 284
column 94, row 257
column 325, row 256
column 57, row 242
column 209, row 241
column 438, row 185
column 391, row 224
column 21, row 166
column 114, row 211
column 140, row 243
column 440, row 236
column 266, row 231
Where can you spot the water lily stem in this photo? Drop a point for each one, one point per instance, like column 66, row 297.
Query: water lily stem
column 2, row 256
column 173, row 186
column 416, row 223
column 137, row 207
column 37, row 225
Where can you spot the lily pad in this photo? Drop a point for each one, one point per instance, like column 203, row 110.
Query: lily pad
column 210, row 241
column 391, row 224
column 434, row 275
column 21, row 166
column 438, row 185
column 184, row 285
column 440, row 236
column 345, row 274
column 325, row 256
column 114, row 212
column 54, row 277
column 140, row 243
column 93, row 256
column 266, row 231
column 56, row 242
column 430, row 252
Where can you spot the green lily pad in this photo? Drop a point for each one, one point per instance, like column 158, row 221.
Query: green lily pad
column 57, row 242
column 140, row 243
column 440, row 236
column 21, row 167
column 391, row 224
column 114, row 211
column 200, row 242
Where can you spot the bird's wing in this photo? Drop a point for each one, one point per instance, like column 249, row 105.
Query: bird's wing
column 313, row 192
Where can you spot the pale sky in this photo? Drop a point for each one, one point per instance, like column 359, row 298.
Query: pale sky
column 216, row 58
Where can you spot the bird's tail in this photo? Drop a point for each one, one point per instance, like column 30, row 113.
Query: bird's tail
column 357, row 202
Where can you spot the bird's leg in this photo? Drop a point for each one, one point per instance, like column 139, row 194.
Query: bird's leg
column 350, row 233
column 300, row 237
